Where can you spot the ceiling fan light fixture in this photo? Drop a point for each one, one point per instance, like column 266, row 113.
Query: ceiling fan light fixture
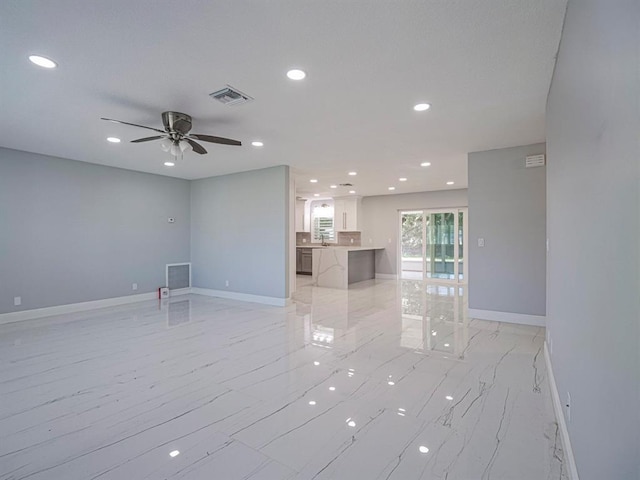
column 185, row 146
column 175, row 149
column 165, row 145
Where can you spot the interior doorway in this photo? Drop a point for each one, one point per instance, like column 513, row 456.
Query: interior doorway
column 433, row 245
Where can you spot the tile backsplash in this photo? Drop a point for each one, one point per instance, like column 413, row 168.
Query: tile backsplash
column 303, row 235
column 344, row 238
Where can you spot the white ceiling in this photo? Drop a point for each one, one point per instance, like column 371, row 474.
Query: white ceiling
column 484, row 66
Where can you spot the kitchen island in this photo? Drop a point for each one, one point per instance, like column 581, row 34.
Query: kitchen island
column 338, row 267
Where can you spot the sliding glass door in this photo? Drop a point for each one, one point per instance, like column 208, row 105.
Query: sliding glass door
column 433, row 244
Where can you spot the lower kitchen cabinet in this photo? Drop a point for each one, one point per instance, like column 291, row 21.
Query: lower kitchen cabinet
column 303, row 261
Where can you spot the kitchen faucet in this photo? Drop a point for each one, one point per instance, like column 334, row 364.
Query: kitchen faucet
column 322, row 242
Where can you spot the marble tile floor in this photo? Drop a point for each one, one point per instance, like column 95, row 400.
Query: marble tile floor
column 386, row 380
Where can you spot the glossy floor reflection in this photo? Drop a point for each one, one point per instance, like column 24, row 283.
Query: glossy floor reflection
column 389, row 379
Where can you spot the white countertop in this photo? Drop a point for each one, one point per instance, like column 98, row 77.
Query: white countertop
column 341, row 247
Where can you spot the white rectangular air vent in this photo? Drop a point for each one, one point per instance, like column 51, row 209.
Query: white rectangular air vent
column 230, row 96
column 178, row 276
column 534, row 161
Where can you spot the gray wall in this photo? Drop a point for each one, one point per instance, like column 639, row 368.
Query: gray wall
column 240, row 232
column 74, row 232
column 381, row 222
column 507, row 208
column 593, row 182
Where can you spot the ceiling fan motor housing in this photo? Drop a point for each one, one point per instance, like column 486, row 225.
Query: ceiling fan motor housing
column 176, row 122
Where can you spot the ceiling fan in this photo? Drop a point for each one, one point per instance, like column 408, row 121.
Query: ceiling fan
column 176, row 137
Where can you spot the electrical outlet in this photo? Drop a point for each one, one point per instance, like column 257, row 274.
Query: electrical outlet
column 481, row 242
column 304, row 240
column 352, row 240
column 17, row 301
column 226, row 283
column 568, row 405
column 134, row 286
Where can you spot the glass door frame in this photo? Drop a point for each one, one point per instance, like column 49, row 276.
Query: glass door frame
column 465, row 242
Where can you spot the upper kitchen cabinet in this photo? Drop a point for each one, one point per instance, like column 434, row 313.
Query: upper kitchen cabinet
column 302, row 221
column 347, row 213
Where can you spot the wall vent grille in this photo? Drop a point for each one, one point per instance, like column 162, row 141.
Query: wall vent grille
column 178, row 276
column 534, row 161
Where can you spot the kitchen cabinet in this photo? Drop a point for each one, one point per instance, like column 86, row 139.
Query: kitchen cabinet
column 304, row 260
column 301, row 224
column 346, row 214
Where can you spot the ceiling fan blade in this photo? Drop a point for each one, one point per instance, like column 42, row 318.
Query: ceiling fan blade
column 196, row 146
column 132, row 124
column 212, row 139
column 148, row 139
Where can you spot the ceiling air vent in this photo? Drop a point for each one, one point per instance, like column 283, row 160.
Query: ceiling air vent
column 231, row 96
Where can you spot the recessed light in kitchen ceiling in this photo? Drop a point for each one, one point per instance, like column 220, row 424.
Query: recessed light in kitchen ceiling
column 169, row 164
column 402, row 179
column 296, row 74
column 257, row 143
column 333, row 186
column 316, row 194
column 42, row 61
column 314, row 180
column 113, row 139
column 421, row 107
column 353, row 173
column 352, row 191
column 425, row 164
column 391, row 188
column 450, row 183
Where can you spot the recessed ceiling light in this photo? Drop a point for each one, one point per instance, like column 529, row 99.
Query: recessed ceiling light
column 296, row 74
column 402, row 179
column 353, row 174
column 446, row 344
column 450, row 183
column 449, row 397
column 352, row 191
column 257, row 144
column 391, row 382
column 351, row 423
column 169, row 164
column 332, row 389
column 174, row 453
column 312, row 402
column 316, row 363
column 42, row 61
column 316, row 194
column 113, row 139
column 392, row 188
column 423, row 449
column 421, row 107
column 425, row 164
column 314, row 180
column 333, row 186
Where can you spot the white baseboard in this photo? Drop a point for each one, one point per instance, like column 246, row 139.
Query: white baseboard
column 519, row 318
column 179, row 291
column 386, row 276
column 74, row 307
column 570, row 461
column 245, row 297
